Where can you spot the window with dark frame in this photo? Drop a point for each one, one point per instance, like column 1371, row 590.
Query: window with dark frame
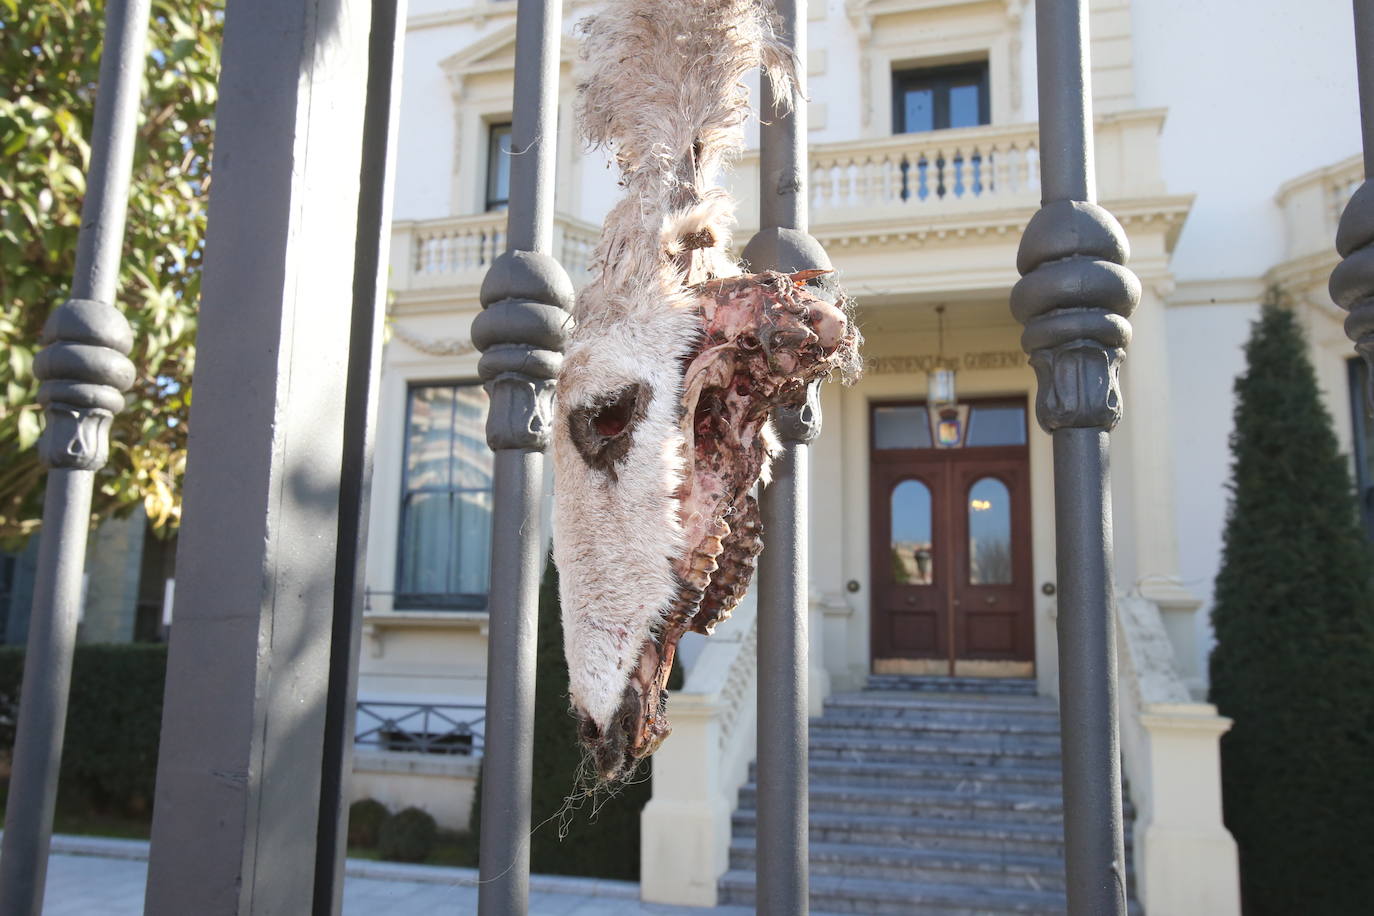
column 1362, row 429
column 444, row 553
column 498, row 166
column 938, row 98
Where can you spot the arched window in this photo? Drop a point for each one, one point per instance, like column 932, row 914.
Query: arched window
column 913, row 557
column 989, row 533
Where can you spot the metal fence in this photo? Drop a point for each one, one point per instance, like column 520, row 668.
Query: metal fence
column 261, row 685
column 420, row 728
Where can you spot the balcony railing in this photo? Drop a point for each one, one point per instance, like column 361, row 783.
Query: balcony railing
column 961, row 171
column 920, row 170
column 420, row 728
column 456, row 251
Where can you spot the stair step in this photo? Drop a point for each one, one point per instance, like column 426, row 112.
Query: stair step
column 985, row 685
column 835, row 723
column 930, row 796
column 1041, row 808
column 923, row 832
column 915, row 776
column 876, row 897
column 905, row 702
column 944, row 866
column 1013, row 752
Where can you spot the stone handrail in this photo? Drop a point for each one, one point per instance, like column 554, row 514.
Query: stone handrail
column 1185, row 860
column 1312, row 205
column 456, row 251
column 685, row 828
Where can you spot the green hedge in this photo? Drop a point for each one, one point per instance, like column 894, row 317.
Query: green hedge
column 1294, row 662
column 109, row 757
column 602, row 838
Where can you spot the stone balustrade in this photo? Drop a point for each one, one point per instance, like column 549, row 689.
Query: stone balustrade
column 455, row 252
column 947, row 167
column 955, row 172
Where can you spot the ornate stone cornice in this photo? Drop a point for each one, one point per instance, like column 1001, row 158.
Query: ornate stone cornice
column 1158, row 214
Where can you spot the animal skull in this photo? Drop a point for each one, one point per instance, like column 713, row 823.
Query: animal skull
column 676, row 362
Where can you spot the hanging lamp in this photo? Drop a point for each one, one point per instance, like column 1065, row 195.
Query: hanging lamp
column 941, row 399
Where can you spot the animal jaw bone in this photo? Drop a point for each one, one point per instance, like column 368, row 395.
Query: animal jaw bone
column 674, row 366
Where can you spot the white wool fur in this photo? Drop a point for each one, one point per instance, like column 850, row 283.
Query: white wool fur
column 665, row 92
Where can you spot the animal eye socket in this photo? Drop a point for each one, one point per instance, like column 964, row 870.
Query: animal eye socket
column 612, row 419
column 601, row 431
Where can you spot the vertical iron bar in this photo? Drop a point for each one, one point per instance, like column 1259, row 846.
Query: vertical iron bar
column 359, row 431
column 1352, row 282
column 525, row 297
column 83, row 370
column 237, row 813
column 783, row 803
column 783, row 243
column 1364, row 67
column 1074, row 297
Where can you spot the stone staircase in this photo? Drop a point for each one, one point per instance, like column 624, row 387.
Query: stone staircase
column 930, row 796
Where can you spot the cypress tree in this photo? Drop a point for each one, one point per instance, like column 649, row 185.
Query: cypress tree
column 597, row 833
column 1294, row 660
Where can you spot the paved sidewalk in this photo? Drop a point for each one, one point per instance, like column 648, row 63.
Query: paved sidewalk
column 95, row 876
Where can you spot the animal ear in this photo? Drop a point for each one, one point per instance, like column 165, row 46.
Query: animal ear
column 602, row 432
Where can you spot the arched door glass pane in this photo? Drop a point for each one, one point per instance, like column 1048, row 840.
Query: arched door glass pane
column 989, row 533
column 913, row 557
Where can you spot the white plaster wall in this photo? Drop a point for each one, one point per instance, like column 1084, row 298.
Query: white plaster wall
column 1205, row 355
column 1258, row 92
column 837, row 88
column 424, row 148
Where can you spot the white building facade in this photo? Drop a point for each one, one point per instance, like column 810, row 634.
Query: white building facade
column 1225, row 144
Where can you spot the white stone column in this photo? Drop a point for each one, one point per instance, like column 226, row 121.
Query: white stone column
column 1190, row 860
column 684, row 830
column 1146, row 532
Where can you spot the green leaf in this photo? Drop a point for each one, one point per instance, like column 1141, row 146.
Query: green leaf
column 29, row 429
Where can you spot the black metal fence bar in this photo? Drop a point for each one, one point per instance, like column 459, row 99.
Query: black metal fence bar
column 525, row 298
column 238, row 811
column 783, row 243
column 359, row 430
column 1074, row 297
column 84, row 369
column 1352, row 282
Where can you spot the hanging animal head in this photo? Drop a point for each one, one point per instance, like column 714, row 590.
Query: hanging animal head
column 674, row 366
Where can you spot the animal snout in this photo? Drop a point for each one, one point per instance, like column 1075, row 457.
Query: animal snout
column 829, row 324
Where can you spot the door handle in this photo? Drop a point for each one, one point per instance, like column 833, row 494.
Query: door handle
column 910, row 599
column 991, row 599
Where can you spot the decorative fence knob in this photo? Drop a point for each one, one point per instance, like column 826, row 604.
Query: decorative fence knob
column 84, row 369
column 1352, row 282
column 1074, row 297
column 526, row 297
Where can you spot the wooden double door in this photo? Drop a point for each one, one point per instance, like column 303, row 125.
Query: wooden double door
column 951, row 549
